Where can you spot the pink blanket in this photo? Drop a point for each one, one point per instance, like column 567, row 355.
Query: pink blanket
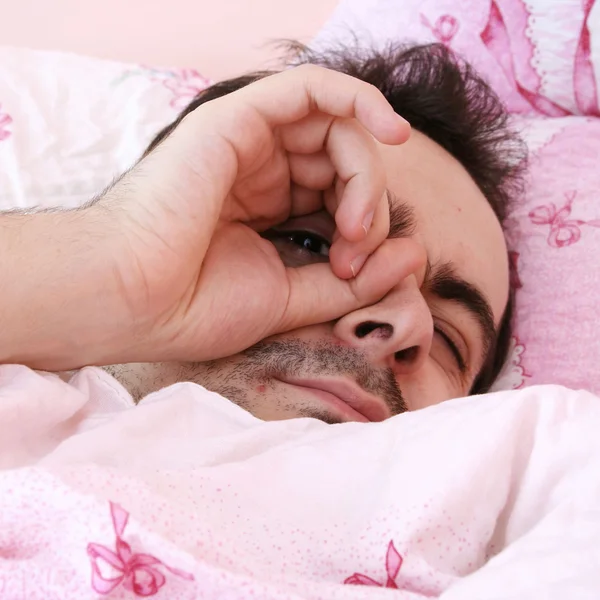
column 189, row 496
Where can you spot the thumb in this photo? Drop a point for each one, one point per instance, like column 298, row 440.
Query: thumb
column 318, row 296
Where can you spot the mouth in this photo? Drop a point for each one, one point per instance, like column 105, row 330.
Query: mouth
column 344, row 396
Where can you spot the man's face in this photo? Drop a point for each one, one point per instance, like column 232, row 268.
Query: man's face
column 424, row 343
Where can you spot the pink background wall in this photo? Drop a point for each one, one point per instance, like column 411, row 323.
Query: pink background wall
column 219, row 37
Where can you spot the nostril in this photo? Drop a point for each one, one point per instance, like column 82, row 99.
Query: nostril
column 409, row 355
column 384, row 330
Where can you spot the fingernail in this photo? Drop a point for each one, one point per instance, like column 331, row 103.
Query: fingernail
column 357, row 263
column 367, row 221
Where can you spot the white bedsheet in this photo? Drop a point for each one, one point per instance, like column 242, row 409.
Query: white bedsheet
column 189, row 496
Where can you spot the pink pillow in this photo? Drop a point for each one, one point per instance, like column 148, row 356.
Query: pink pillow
column 554, row 236
column 539, row 58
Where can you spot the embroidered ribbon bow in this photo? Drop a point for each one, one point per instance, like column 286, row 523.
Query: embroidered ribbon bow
column 393, row 562
column 563, row 230
column 138, row 573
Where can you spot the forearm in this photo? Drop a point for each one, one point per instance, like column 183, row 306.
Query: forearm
column 59, row 306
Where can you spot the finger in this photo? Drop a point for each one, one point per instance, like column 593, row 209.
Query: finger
column 291, row 95
column 332, row 197
column 347, row 258
column 307, row 135
column 318, row 296
column 359, row 167
column 305, row 201
column 311, row 175
column 312, row 171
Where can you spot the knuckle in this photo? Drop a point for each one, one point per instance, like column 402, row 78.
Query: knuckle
column 309, row 70
column 371, row 87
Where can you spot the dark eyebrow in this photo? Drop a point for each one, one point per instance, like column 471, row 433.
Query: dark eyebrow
column 441, row 280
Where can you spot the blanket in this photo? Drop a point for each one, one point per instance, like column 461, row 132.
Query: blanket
column 188, row 496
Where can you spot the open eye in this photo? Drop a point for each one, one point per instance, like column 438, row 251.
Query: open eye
column 309, row 241
column 299, row 247
column 303, row 240
column 452, row 347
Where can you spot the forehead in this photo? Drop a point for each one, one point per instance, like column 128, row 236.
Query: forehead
column 455, row 222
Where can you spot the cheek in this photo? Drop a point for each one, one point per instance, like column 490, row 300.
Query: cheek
column 427, row 388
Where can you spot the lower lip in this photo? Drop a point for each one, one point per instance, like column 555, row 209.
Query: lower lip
column 332, row 401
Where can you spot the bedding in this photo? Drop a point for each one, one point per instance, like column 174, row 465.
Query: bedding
column 69, row 124
column 186, row 495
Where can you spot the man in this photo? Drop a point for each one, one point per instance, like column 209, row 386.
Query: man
column 213, row 247
column 443, row 331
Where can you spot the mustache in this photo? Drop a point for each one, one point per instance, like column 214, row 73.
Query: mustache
column 297, row 358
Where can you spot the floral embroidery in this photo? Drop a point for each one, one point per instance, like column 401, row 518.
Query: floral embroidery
column 563, row 231
column 445, row 27
column 5, row 121
column 393, row 562
column 138, row 573
column 184, row 84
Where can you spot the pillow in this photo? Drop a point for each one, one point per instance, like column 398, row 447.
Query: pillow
column 69, row 124
column 543, row 60
column 538, row 55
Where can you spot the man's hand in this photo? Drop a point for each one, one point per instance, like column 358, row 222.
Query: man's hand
column 185, row 267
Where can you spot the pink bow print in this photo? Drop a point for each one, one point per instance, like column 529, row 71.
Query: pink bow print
column 393, row 562
column 445, row 27
column 563, row 231
column 139, row 573
column 5, row 121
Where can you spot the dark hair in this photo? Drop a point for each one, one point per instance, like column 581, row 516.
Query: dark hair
column 442, row 97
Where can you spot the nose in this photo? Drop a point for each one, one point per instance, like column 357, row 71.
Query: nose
column 396, row 332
